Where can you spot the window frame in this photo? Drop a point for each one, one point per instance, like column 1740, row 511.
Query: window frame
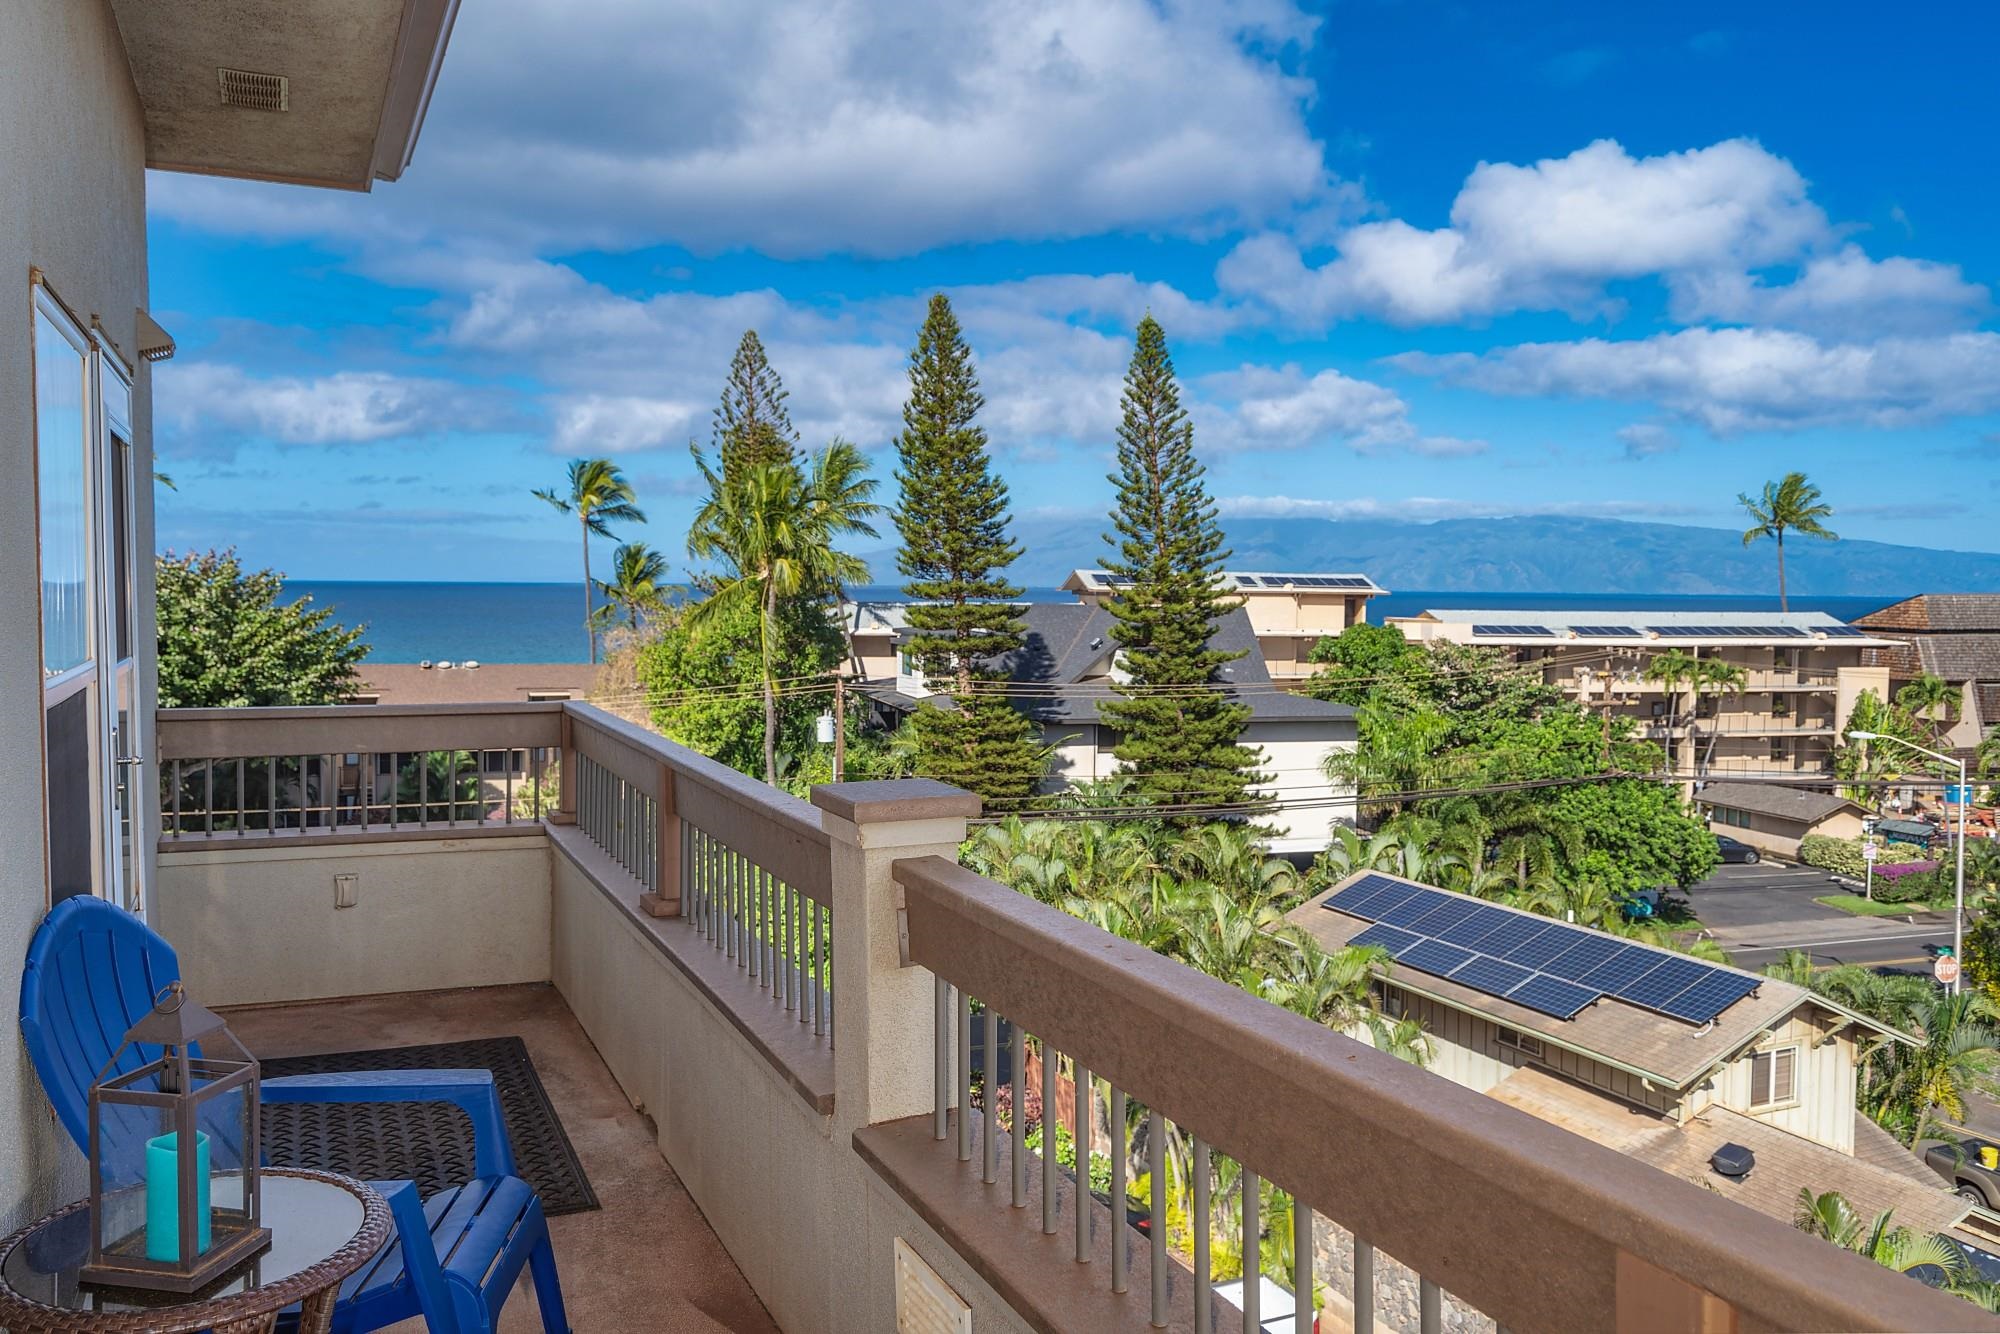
column 1790, row 1097
column 1525, row 1043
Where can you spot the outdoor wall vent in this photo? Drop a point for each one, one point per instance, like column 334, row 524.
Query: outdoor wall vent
column 254, row 92
column 925, row 1303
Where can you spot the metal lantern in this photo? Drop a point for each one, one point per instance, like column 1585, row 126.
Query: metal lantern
column 173, row 1154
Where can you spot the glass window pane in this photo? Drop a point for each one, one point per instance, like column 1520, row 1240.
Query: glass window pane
column 62, row 449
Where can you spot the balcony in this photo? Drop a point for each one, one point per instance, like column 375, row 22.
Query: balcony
column 769, row 1026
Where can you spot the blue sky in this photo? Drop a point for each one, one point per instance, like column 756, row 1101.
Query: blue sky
column 1419, row 260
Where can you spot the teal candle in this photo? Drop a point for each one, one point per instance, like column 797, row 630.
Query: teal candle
column 163, row 1197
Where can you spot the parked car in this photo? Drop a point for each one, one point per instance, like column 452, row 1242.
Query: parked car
column 1732, row 851
column 1958, row 1162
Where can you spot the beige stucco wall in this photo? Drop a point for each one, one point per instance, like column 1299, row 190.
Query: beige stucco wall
column 255, row 925
column 811, row 1227
column 73, row 204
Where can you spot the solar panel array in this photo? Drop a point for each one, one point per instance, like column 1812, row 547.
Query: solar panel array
column 1729, row 632
column 1512, row 631
column 1544, row 965
column 1607, row 631
column 1842, row 632
column 1302, row 581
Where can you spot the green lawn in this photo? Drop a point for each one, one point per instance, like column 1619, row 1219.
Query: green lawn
column 1861, row 907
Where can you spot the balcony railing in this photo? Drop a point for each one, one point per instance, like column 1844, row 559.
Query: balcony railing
column 397, row 770
column 690, row 921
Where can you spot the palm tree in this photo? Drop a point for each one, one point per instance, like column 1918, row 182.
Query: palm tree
column 1955, row 1054
column 1935, row 700
column 1831, row 1218
column 1792, row 505
column 599, row 496
column 1713, row 674
column 633, row 592
column 773, row 527
column 1672, row 670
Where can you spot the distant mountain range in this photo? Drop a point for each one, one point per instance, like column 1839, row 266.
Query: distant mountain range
column 1537, row 554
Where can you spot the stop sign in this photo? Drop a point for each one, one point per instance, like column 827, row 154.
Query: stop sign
column 1945, row 969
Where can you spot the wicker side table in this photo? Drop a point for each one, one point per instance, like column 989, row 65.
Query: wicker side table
column 323, row 1228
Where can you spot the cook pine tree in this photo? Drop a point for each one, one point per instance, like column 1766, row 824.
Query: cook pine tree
column 1178, row 731
column 752, row 428
column 953, row 517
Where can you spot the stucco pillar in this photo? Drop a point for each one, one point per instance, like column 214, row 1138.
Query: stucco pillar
column 883, row 1010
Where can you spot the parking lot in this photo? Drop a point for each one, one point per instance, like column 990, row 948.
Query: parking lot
column 1758, row 912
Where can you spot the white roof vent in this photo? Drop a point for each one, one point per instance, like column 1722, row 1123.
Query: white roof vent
column 254, row 92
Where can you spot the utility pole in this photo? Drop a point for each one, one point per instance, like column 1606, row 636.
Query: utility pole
column 839, row 728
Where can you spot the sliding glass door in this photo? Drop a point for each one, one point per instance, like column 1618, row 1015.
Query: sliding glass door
column 86, row 483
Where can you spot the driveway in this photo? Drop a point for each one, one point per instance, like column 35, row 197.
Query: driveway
column 1759, row 912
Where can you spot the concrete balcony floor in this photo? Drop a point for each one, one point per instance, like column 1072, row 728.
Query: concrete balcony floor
column 647, row 1259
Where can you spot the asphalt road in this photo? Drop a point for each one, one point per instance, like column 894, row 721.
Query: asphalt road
column 1758, row 912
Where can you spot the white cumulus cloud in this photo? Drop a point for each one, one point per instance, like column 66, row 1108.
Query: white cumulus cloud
column 206, row 403
column 804, row 127
column 1732, row 380
column 1265, row 407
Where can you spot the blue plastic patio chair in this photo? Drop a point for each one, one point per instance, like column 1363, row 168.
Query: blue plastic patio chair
column 94, row 969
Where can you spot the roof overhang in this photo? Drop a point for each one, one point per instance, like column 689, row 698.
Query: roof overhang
column 358, row 80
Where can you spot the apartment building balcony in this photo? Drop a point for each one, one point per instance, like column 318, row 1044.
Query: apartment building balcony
column 775, row 1031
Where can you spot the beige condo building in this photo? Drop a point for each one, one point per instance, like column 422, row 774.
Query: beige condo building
column 1801, row 674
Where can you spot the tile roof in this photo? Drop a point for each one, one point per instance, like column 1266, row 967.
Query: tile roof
column 488, row 683
column 1786, row 803
column 1787, row 1164
column 1938, row 611
column 1665, row 1050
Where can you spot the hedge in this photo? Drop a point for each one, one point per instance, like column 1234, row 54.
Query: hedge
column 1842, row 856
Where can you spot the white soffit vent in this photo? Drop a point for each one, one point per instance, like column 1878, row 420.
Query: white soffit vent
column 254, row 92
column 924, row 1303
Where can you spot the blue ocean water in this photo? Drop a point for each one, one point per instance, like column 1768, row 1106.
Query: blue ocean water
column 408, row 622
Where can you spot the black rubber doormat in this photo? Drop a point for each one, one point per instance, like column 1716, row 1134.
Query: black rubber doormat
column 429, row 1143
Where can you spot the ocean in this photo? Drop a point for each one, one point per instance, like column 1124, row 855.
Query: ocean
column 409, row 622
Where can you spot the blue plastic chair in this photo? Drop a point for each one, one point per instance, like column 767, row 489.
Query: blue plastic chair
column 94, row 969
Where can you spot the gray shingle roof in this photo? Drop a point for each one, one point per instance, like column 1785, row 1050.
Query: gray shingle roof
column 1785, row 803
column 1069, row 643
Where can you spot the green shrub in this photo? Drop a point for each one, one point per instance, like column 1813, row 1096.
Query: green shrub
column 1842, row 856
column 1917, row 887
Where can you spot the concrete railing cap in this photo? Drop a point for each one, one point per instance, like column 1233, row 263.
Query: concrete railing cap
column 881, row 800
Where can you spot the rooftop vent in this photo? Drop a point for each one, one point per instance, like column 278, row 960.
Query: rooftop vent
column 425, row 664
column 254, row 92
column 470, row 662
column 1733, row 1161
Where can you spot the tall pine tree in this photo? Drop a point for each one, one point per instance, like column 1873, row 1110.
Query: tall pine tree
column 1177, row 736
column 953, row 519
column 751, row 426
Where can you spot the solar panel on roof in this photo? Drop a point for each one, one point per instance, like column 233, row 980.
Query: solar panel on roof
column 1371, row 895
column 1614, row 969
column 1490, row 974
column 1391, row 938
column 1606, row 631
column 1781, row 631
column 1513, row 939
column 1473, row 930
column 1709, row 997
column 1410, row 910
column 1434, row 956
column 1584, row 954
column 1512, row 631
column 1659, row 984
column 1552, row 995
column 1452, row 910
column 1841, row 632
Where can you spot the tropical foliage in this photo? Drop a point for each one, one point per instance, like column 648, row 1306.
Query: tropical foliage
column 1791, row 505
column 229, row 638
column 771, row 530
column 599, row 496
column 636, row 591
column 1831, row 1217
column 1483, row 735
